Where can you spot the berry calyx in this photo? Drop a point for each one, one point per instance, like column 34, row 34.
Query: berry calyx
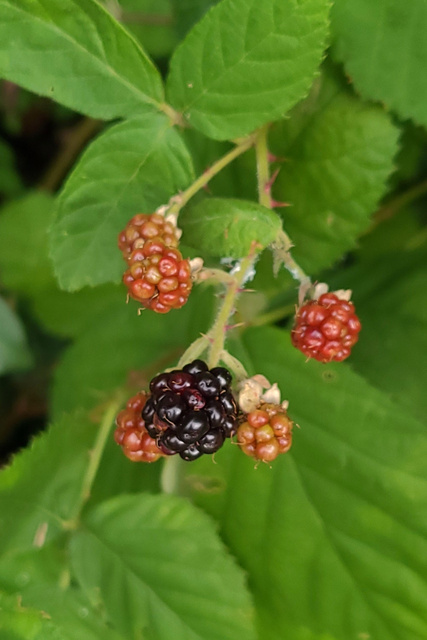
column 326, row 329
column 143, row 227
column 191, row 411
column 131, row 434
column 158, row 277
column 265, row 433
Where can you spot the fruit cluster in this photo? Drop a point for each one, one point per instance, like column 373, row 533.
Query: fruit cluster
column 131, row 434
column 157, row 275
column 266, row 433
column 326, row 329
column 191, row 411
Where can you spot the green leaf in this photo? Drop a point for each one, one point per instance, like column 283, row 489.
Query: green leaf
column 383, row 47
column 25, row 267
column 340, row 519
column 247, row 62
column 227, row 227
column 41, row 489
column 173, row 575
column 133, row 167
column 40, row 578
column 74, row 52
column 338, row 159
column 14, row 351
column 19, row 623
column 10, row 183
column 122, row 342
column 24, row 263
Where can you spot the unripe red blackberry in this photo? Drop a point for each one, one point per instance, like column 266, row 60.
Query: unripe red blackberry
column 326, row 329
column 143, row 227
column 265, row 433
column 191, row 411
column 131, row 434
column 158, row 277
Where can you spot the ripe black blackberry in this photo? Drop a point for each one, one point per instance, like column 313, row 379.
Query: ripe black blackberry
column 191, row 411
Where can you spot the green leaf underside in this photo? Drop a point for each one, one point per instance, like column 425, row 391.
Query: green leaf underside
column 335, row 533
column 335, row 172
column 74, row 52
column 14, row 352
column 175, row 574
column 228, row 227
column 40, row 490
column 247, row 62
column 384, row 50
column 20, row 623
column 134, row 167
column 91, row 369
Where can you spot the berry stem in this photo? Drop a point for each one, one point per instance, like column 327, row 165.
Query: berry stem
column 218, row 332
column 282, row 245
column 95, row 460
column 170, row 479
column 179, row 201
column 194, row 351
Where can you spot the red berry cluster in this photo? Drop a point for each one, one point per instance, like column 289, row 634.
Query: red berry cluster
column 326, row 329
column 132, row 435
column 157, row 275
column 143, row 227
column 266, row 433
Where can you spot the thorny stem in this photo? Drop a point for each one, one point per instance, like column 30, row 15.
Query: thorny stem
column 283, row 244
column 95, row 460
column 177, row 202
column 263, row 168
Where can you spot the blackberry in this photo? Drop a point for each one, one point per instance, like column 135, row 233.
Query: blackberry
column 131, row 434
column 265, row 433
column 326, row 329
column 191, row 411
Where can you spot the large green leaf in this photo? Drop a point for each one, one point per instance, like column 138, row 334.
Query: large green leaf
column 334, row 534
column 168, row 573
column 38, row 577
column 41, row 489
column 384, row 49
column 386, row 290
column 120, row 343
column 227, row 227
column 74, row 52
column 25, row 267
column 19, row 623
column 133, row 167
column 247, row 62
column 14, row 352
column 339, row 153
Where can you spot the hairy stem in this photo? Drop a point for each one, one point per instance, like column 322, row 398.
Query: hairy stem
column 218, row 332
column 181, row 200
